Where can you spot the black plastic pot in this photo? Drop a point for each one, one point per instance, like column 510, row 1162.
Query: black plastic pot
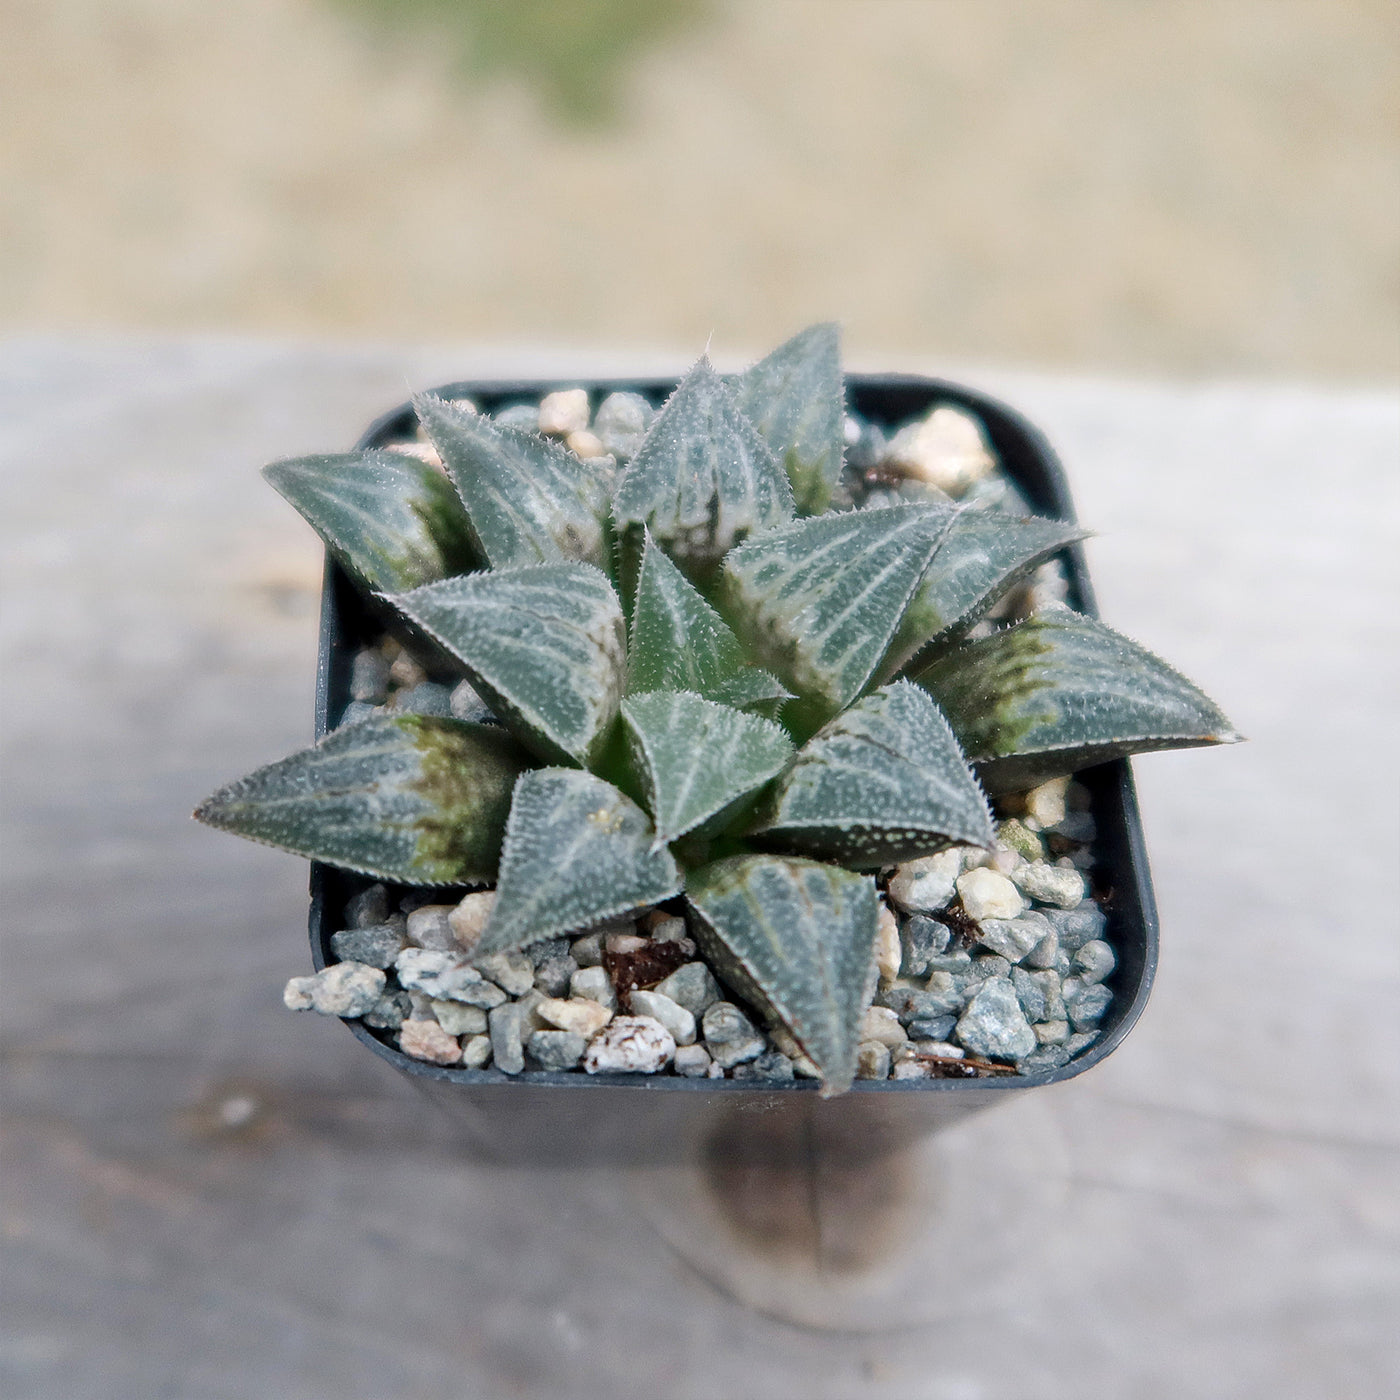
column 573, row 1117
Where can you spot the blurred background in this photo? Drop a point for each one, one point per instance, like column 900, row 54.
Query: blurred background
column 1193, row 187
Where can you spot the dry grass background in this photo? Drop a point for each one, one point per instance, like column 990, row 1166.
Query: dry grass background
column 1189, row 186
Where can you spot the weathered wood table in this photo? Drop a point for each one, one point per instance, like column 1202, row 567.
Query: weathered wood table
column 205, row 1196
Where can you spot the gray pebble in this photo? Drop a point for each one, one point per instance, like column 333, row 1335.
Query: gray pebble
column 730, row 1036
column 1077, row 826
column 343, row 989
column 872, row 1060
column 692, row 1061
column 868, row 450
column 1088, row 1007
column 376, row 946
column 476, row 1052
column 547, row 948
column 769, row 1065
column 1012, row 938
column 621, row 423
column 456, row 1018
column 389, row 1012
column 370, row 906
column 958, row 963
column 446, row 976
column 426, row 698
column 553, row 976
column 464, row 703
column 986, row 965
column 369, row 676
column 1077, row 926
column 588, row 950
column 1045, row 1057
column 512, row 972
column 912, row 1005
column 921, row 938
column 994, row 1024
column 556, row 1050
column 504, row 1029
column 523, row 416
column 429, row 927
column 945, row 994
column 1046, row 952
column 1052, row 1032
column 692, row 985
column 1076, row 1044
column 937, row 1028
column 1030, row 993
column 593, row 984
column 676, row 1019
column 355, row 712
column 1093, row 962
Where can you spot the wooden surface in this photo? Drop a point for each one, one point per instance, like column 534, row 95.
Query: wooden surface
column 205, row 1196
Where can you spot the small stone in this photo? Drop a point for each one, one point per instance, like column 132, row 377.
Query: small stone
column 1077, row 926
column 909, row 1069
column 343, row 989
column 593, row 984
column 554, row 975
column 621, row 423
column 375, row 946
column 523, row 417
column 1093, row 962
column 420, row 1006
column 676, row 1019
column 920, row 939
column 869, row 448
column 585, row 444
column 530, row 1018
column 578, row 1014
column 466, row 704
column 935, row 1028
column 588, row 950
column 1017, row 836
column 947, row 450
column 987, row 895
column 563, row 412
column 692, row 1061
column 476, row 1053
column 512, row 972
column 369, row 907
column 547, row 948
column 426, row 1040
column 1046, row 1057
column 1050, row 986
column 355, row 712
column 389, row 1012
column 769, row 1065
column 468, row 919
column 942, row 1050
column 430, row 927
column 692, row 986
column 1045, row 953
column 802, row 1065
column 369, row 676
column 994, row 1024
column 1013, row 939
column 881, row 1024
column 910, row 1004
column 620, row 944
column 556, row 1050
column 446, row 976
column 957, row 963
column 630, row 1045
column 1045, row 805
column 405, row 672
column 1052, row 1032
column 872, row 1060
column 1077, row 1043
column 1088, row 1007
column 986, row 965
column 1077, row 826
column 504, row 1030
column 426, row 698
column 888, row 952
column 730, row 1036
column 1030, row 993
column 1050, row 884
column 928, row 883
column 458, row 1019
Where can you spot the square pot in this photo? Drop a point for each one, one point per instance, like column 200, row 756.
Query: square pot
column 575, row 1117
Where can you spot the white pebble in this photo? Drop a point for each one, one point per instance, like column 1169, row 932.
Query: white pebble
column 693, row 1061
column 927, row 883
column 947, row 450
column 468, row 919
column 343, row 989
column 593, row 984
column 881, row 1025
column 1062, row 886
column 585, row 444
column 985, row 894
column 578, row 1014
column 563, row 412
column 476, row 1052
column 630, row 1045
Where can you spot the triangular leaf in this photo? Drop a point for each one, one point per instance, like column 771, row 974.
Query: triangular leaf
column 695, row 757
column 576, row 852
column 753, row 689
column 795, row 397
column 679, row 642
column 530, row 501
column 819, row 600
column 703, row 479
column 544, row 647
column 883, row 782
column 410, row 798
column 1059, row 692
column 982, row 557
column 797, row 939
column 394, row 522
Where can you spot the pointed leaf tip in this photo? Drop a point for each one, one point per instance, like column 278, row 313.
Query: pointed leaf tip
column 796, row 938
column 408, row 798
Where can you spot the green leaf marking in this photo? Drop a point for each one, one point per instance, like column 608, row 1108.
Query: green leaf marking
column 543, row 645
column 408, row 798
column 882, row 783
column 1059, row 692
column 796, row 938
column 394, row 522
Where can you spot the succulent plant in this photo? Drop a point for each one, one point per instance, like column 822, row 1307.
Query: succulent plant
column 708, row 683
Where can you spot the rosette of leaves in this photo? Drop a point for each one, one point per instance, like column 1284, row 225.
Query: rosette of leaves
column 708, row 686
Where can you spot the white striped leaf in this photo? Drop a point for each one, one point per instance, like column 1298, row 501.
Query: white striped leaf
column 409, row 798
column 796, row 938
column 796, row 398
column 703, row 479
column 577, row 851
column 529, row 500
column 885, row 781
column 695, row 757
column 544, row 646
column 983, row 556
column 1059, row 692
column 394, row 522
column 818, row 601
column 753, row 689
